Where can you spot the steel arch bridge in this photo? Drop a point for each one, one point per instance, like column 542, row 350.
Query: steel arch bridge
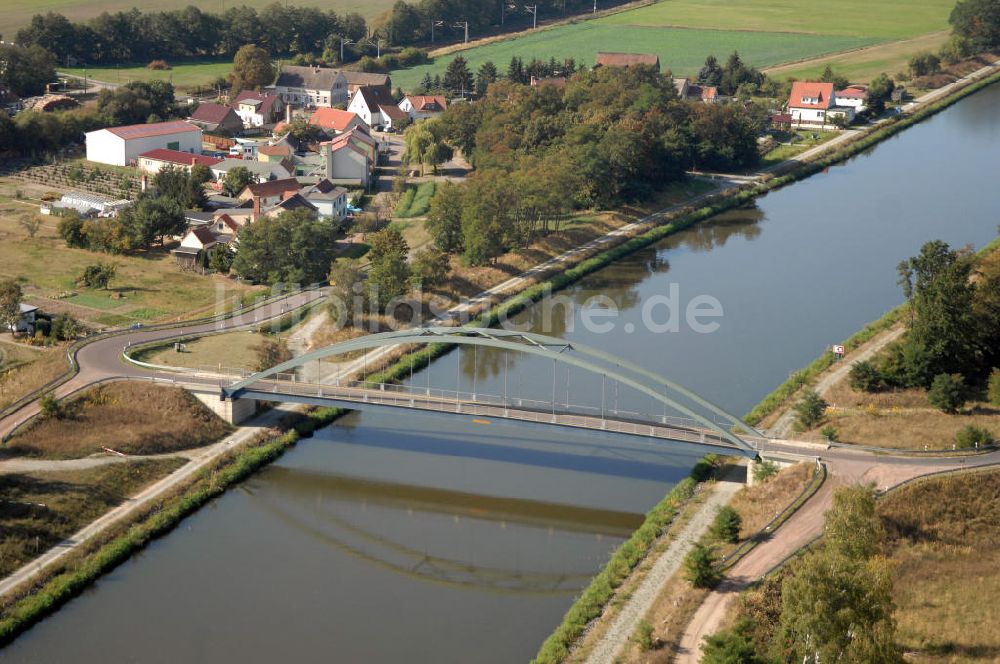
column 279, row 384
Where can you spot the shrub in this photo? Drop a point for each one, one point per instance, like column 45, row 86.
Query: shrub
column 703, row 469
column 644, row 636
column 699, row 567
column 993, row 388
column 809, row 410
column 925, row 64
column 947, row 392
column 972, row 436
column 726, row 526
column 159, row 65
column 764, row 470
column 50, row 407
column 830, row 433
column 865, row 377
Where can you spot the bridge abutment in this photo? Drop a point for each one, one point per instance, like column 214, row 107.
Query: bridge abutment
column 234, row 411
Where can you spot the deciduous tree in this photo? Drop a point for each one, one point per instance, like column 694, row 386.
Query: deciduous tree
column 252, row 68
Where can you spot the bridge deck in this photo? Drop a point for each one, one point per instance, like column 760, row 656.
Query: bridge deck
column 353, row 396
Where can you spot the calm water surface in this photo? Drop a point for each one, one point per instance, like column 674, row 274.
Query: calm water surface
column 426, row 538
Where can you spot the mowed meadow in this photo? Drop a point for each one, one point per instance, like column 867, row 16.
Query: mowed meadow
column 766, row 33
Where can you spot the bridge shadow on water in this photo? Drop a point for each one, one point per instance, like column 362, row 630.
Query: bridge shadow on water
column 526, row 444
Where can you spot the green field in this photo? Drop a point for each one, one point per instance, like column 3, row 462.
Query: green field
column 184, row 75
column 885, row 19
column 683, row 32
column 681, row 50
column 17, row 13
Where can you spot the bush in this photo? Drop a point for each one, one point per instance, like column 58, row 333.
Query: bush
column 726, row 526
column 865, row 377
column 158, row 65
column 993, row 388
column 972, row 436
column 925, row 64
column 644, row 636
column 50, row 407
column 809, row 410
column 947, row 392
column 830, row 433
column 699, row 567
column 764, row 470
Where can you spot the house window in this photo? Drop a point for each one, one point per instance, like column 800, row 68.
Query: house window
column 174, row 145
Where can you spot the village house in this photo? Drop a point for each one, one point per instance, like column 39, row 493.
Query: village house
column 360, row 79
column 216, row 119
column 349, row 159
column 199, row 240
column 628, row 60
column 853, row 96
column 294, row 202
column 266, row 194
column 375, row 105
column 329, row 199
column 816, row 103
column 687, row 90
column 311, row 86
column 274, row 154
column 264, row 171
column 121, row 146
column 334, row 121
column 256, row 109
column 25, row 324
column 151, row 162
column 420, row 107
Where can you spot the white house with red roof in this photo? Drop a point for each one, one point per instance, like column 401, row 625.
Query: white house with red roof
column 151, row 162
column 121, row 146
column 350, row 158
column 420, row 107
column 816, row 103
column 853, row 96
column 258, row 109
column 375, row 105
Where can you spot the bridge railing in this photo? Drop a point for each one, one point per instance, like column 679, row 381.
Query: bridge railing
column 489, row 405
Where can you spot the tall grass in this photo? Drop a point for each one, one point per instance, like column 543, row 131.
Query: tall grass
column 415, row 201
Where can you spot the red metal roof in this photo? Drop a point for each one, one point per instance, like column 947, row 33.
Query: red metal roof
column 823, row 92
column 156, row 129
column 178, row 157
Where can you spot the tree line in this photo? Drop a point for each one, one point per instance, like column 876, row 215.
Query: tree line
column 611, row 135
column 134, row 36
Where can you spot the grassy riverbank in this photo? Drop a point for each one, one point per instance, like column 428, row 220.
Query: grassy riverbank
column 78, row 570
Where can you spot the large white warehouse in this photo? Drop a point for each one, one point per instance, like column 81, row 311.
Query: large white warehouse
column 121, row 146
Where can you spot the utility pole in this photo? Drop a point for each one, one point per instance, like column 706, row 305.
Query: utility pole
column 435, row 24
column 378, row 49
column 343, row 40
column 595, row 6
column 464, row 24
column 533, row 10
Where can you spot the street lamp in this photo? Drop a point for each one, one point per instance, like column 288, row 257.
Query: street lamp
column 344, row 40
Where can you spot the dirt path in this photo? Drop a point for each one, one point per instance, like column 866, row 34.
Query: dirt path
column 28, row 465
column 783, row 426
column 607, row 648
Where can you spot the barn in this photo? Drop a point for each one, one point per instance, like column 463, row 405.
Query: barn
column 121, row 146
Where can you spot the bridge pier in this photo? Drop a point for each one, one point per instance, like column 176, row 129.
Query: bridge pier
column 234, row 411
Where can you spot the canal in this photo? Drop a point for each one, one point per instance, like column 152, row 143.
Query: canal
column 398, row 537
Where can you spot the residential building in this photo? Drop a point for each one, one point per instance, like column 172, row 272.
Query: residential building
column 348, row 161
column 257, row 109
column 628, row 60
column 294, row 202
column 121, row 146
column 264, row 171
column 311, row 86
column 334, row 121
column 270, row 193
column 274, row 153
column 360, row 79
column 329, row 199
column 25, row 324
column 151, row 162
column 375, row 105
column 198, row 240
column 853, row 96
column 420, row 107
column 688, row 90
column 217, row 119
column 816, row 103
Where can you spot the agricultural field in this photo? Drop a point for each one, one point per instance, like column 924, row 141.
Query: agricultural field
column 415, row 201
column 767, row 33
column 17, row 13
column 681, row 50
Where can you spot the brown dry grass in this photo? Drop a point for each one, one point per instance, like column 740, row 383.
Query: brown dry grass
column 678, row 600
column 135, row 418
column 902, row 419
column 24, row 379
column 38, row 510
column 944, row 535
